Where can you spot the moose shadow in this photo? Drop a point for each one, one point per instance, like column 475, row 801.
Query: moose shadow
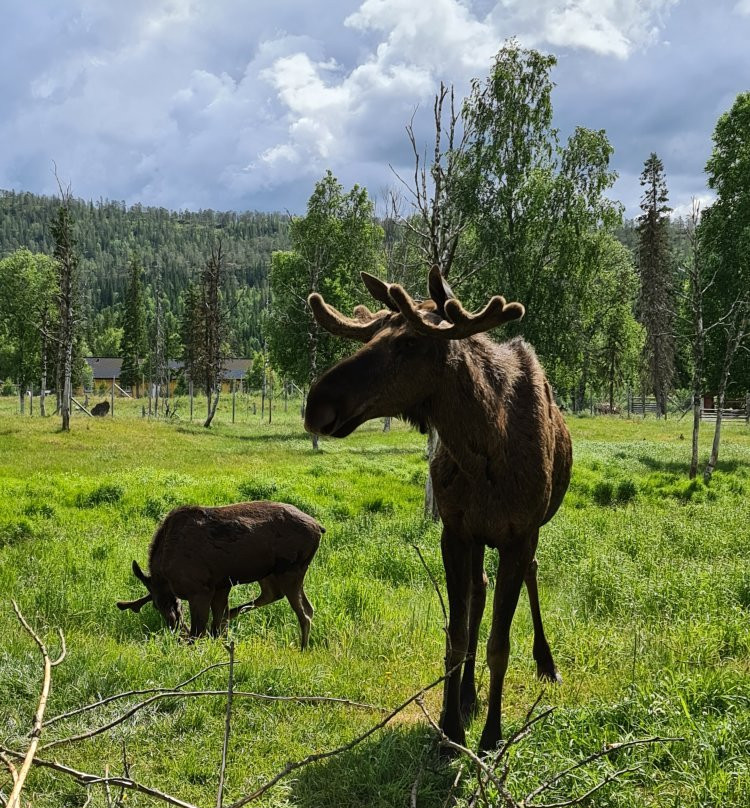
column 379, row 773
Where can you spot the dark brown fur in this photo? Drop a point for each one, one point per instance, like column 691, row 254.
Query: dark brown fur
column 500, row 471
column 197, row 554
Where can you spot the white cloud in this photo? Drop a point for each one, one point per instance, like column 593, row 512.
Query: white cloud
column 608, row 27
column 742, row 7
column 231, row 104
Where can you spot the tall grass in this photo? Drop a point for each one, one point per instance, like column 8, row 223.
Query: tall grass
column 645, row 581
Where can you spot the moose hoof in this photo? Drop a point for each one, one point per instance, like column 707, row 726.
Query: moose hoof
column 549, row 675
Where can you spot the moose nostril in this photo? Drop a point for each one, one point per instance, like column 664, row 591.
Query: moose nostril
column 320, row 419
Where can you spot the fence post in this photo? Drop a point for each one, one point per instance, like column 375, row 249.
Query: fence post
column 234, row 396
column 190, row 393
column 747, row 408
column 112, row 399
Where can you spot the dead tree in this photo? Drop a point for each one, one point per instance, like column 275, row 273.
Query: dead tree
column 67, row 262
column 438, row 223
column 214, row 327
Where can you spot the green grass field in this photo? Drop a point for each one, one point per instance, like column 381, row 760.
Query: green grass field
column 645, row 581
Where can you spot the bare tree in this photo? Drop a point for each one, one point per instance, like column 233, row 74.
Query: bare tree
column 214, row 326
column 696, row 290
column 437, row 222
column 67, row 259
column 737, row 324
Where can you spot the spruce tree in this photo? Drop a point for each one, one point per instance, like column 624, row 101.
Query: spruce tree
column 133, row 348
column 657, row 290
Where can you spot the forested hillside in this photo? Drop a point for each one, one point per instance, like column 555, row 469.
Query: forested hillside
column 175, row 244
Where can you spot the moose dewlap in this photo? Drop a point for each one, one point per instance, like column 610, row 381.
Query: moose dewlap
column 197, row 554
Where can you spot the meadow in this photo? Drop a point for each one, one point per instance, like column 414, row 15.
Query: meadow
column 645, row 586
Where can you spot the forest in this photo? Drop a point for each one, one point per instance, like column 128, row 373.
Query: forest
column 652, row 306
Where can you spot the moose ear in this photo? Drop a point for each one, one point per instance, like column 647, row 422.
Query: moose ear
column 378, row 289
column 141, row 576
column 438, row 288
column 134, row 605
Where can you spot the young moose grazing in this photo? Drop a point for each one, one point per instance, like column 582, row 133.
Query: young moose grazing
column 500, row 471
column 198, row 554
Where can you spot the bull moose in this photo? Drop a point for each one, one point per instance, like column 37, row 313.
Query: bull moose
column 500, row 471
column 198, row 554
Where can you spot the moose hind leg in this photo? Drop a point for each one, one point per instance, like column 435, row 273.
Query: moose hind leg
column 545, row 664
column 510, row 576
column 291, row 586
column 476, row 610
column 270, row 592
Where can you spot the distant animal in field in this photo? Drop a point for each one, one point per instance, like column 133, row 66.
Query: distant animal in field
column 607, row 409
column 197, row 554
column 100, row 409
column 500, row 471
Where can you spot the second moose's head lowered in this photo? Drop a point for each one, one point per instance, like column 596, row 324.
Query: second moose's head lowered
column 500, row 471
column 197, row 554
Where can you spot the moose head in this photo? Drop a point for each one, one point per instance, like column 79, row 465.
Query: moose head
column 407, row 344
column 164, row 600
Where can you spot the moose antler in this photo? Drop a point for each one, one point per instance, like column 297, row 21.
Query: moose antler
column 460, row 323
column 361, row 328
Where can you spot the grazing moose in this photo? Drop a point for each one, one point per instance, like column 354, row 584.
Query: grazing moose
column 500, row 471
column 198, row 554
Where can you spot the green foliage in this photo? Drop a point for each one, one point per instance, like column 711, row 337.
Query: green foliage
column 27, row 281
column 103, row 494
column 724, row 235
column 533, row 205
column 331, row 244
column 656, row 301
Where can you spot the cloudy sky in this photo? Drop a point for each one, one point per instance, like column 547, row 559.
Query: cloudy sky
column 243, row 104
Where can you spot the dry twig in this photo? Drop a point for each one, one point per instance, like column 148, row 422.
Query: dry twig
column 87, row 780
column 197, row 693
column 227, row 726
column 14, row 801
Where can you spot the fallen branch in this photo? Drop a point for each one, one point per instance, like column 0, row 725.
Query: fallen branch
column 87, row 779
column 128, row 693
column 14, row 801
column 200, row 693
column 609, row 749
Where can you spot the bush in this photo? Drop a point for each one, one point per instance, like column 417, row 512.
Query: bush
column 104, row 494
column 257, row 489
column 603, row 493
column 626, row 491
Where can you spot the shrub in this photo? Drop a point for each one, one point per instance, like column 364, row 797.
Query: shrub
column 626, row 491
column 603, row 492
column 104, row 494
column 258, row 489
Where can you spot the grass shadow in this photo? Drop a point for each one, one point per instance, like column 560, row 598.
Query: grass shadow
column 681, row 466
column 379, row 773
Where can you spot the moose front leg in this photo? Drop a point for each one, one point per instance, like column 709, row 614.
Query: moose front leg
column 457, row 562
column 511, row 571
column 478, row 594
